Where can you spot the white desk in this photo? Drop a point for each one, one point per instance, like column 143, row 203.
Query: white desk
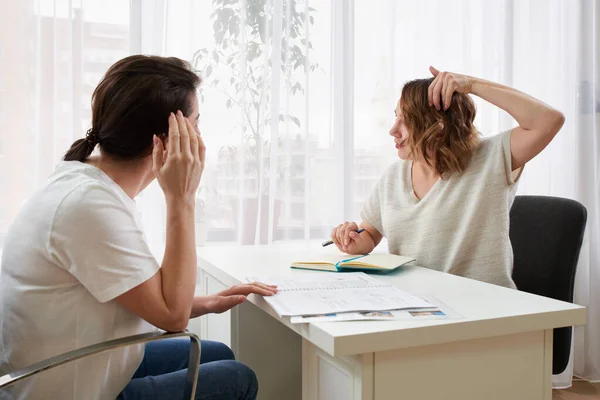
column 501, row 349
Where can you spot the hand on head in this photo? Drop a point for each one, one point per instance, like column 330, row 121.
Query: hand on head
column 178, row 168
column 444, row 85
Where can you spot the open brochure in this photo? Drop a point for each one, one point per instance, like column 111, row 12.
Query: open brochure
column 439, row 311
column 317, row 293
column 391, row 315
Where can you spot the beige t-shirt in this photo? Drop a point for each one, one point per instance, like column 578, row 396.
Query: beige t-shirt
column 461, row 225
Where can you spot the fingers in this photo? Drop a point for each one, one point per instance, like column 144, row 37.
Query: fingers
column 201, row 148
column 174, row 144
column 250, row 288
column 194, row 137
column 449, row 88
column 442, row 88
column 263, row 286
column 184, row 136
column 430, row 92
column 261, row 289
column 157, row 154
column 431, row 96
column 350, row 227
column 335, row 240
column 343, row 235
column 437, row 91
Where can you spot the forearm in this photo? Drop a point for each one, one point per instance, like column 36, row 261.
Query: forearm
column 530, row 113
column 179, row 261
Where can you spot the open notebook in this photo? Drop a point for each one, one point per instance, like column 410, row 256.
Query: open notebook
column 378, row 262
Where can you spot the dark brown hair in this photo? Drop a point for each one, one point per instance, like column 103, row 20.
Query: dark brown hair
column 444, row 139
column 132, row 102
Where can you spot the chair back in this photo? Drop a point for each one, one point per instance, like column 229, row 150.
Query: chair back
column 546, row 235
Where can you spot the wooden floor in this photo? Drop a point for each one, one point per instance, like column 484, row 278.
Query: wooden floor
column 579, row 391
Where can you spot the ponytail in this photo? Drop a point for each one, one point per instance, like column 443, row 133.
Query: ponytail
column 82, row 148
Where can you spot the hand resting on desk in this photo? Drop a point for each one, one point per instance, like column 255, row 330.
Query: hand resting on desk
column 229, row 298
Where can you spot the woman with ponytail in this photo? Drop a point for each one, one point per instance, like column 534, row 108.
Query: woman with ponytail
column 76, row 269
column 446, row 202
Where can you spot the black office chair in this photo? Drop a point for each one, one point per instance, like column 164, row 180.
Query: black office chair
column 546, row 235
column 53, row 362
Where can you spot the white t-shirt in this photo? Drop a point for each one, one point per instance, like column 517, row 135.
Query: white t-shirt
column 75, row 245
column 461, row 225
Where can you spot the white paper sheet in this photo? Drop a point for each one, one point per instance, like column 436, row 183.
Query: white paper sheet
column 319, row 293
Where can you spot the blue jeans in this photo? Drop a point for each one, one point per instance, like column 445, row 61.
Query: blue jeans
column 163, row 371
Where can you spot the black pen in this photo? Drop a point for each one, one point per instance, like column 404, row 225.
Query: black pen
column 328, row 242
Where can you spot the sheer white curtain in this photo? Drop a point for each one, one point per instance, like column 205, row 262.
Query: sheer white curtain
column 297, row 100
column 52, row 55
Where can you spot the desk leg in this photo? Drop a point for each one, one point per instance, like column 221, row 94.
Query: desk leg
column 271, row 349
column 508, row 367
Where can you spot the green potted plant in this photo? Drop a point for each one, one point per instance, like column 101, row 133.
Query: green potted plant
column 248, row 87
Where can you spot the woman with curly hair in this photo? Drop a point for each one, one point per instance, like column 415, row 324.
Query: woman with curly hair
column 446, row 202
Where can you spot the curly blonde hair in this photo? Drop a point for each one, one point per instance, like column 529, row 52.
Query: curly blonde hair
column 444, row 139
